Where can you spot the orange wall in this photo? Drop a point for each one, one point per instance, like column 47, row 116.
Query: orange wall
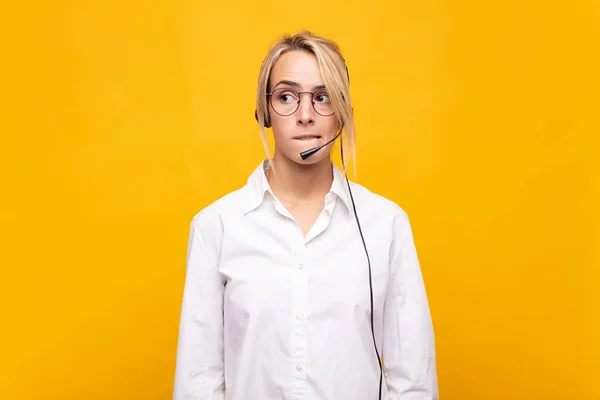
column 121, row 119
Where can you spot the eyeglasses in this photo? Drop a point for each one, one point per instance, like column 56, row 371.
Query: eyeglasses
column 286, row 101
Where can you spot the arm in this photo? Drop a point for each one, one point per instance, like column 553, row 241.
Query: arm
column 408, row 338
column 199, row 371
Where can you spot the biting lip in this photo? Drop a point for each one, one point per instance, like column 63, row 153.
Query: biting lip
column 307, row 137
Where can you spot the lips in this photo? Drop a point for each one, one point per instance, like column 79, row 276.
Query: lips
column 308, row 137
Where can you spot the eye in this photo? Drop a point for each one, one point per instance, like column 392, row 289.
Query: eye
column 322, row 97
column 287, row 97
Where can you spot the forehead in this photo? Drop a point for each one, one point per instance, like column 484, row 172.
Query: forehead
column 297, row 66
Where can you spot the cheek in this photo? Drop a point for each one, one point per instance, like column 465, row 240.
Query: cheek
column 330, row 124
column 283, row 127
column 281, row 122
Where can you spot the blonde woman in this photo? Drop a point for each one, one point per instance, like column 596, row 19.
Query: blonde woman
column 303, row 285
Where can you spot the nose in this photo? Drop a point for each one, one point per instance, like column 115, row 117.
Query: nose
column 305, row 114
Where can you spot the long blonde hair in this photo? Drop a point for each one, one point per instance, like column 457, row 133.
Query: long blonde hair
column 335, row 76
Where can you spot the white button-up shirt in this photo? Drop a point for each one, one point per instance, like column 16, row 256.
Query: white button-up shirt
column 269, row 314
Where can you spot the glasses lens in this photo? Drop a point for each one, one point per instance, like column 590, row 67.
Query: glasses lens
column 322, row 103
column 284, row 101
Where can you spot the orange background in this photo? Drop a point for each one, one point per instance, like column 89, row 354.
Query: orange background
column 122, row 119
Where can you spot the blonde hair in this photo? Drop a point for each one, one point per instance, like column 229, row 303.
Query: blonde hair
column 335, row 76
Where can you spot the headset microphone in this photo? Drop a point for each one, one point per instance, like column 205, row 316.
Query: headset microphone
column 307, row 153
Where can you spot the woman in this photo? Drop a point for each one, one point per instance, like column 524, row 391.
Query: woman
column 288, row 295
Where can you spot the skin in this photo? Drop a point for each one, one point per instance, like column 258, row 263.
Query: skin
column 301, row 185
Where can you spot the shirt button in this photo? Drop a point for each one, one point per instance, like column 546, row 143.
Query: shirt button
column 298, row 367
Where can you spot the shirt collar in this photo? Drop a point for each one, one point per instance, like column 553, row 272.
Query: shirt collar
column 340, row 188
column 258, row 184
column 256, row 187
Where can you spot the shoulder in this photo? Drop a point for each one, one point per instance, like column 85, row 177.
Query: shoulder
column 390, row 222
column 385, row 216
column 206, row 227
column 207, row 223
column 210, row 217
column 377, row 206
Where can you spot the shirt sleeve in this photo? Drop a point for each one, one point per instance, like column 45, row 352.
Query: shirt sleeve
column 408, row 339
column 199, row 373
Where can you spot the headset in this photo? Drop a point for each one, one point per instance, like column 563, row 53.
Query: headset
column 307, row 153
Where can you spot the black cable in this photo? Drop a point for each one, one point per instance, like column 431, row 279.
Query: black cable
column 369, row 262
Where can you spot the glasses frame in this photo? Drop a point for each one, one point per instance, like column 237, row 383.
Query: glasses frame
column 312, row 96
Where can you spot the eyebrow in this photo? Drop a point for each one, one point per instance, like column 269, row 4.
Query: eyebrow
column 295, row 84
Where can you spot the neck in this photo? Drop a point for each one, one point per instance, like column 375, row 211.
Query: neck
column 294, row 183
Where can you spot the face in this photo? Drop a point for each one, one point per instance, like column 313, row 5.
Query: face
column 305, row 128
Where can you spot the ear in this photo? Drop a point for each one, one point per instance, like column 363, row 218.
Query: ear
column 267, row 121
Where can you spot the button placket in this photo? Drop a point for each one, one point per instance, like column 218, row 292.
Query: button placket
column 298, row 313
